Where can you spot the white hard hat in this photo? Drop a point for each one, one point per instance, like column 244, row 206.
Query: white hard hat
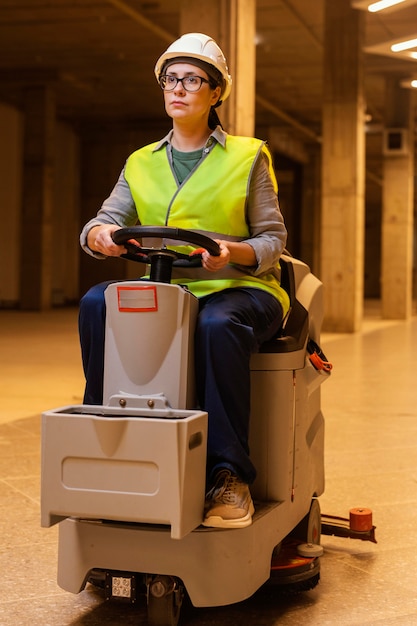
column 201, row 47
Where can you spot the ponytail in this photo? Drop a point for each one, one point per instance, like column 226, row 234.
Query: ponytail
column 213, row 119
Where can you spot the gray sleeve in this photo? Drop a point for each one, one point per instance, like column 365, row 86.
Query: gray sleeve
column 266, row 224
column 118, row 208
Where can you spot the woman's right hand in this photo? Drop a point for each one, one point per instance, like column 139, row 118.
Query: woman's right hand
column 99, row 240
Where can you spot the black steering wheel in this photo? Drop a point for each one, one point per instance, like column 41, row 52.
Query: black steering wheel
column 163, row 259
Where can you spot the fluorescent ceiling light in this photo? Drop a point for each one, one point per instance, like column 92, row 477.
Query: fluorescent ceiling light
column 404, row 45
column 396, row 49
column 382, row 4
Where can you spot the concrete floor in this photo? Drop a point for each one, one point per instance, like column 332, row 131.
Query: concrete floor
column 370, row 405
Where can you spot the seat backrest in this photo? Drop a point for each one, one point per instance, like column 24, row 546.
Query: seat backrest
column 287, row 278
column 294, row 329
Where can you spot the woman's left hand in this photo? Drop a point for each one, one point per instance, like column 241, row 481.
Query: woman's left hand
column 215, row 263
column 239, row 252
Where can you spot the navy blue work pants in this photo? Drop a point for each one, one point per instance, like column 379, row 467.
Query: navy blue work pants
column 231, row 325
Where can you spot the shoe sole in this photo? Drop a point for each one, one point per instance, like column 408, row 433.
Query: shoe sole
column 215, row 521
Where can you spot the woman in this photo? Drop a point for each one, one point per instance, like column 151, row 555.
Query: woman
column 200, row 178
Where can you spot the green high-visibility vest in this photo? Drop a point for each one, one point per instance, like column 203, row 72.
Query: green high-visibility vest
column 211, row 200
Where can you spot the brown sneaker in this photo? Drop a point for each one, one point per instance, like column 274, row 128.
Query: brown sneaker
column 228, row 503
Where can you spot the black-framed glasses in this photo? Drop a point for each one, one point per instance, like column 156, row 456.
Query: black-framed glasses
column 190, row 83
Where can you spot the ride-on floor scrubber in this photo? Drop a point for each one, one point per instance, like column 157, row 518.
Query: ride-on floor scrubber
column 126, row 480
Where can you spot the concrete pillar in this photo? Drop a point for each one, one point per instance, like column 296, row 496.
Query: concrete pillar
column 65, row 217
column 397, row 203
column 37, row 199
column 11, row 148
column 232, row 24
column 343, row 168
column 311, row 210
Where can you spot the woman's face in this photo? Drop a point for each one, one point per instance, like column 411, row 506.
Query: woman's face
column 184, row 105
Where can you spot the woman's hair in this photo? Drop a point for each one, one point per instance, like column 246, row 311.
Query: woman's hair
column 213, row 119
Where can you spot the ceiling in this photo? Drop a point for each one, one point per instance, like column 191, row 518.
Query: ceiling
column 100, row 55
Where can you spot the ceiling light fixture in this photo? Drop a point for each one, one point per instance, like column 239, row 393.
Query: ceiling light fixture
column 390, row 6
column 404, row 45
column 382, row 4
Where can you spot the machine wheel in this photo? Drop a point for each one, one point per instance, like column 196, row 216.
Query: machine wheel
column 165, row 596
column 309, row 529
column 97, row 578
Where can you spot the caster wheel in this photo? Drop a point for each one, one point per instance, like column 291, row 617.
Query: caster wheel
column 310, row 550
